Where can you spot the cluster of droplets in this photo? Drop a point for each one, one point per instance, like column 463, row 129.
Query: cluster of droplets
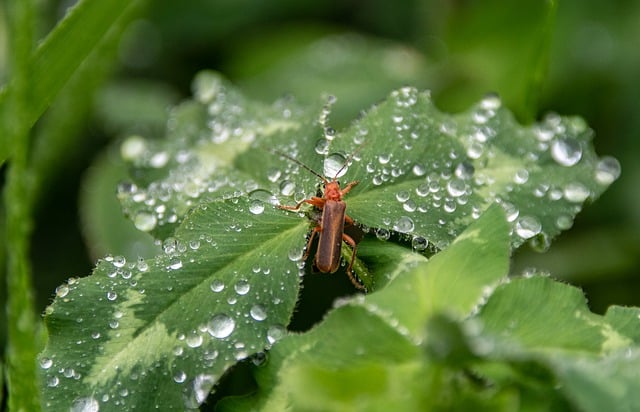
column 478, row 169
column 193, row 171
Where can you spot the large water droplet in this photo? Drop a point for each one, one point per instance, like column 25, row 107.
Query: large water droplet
column 194, row 340
column 217, row 285
column 576, row 192
column 132, row 148
column 287, row 187
column 46, row 363
column 242, row 287
column 607, row 170
column 180, row 377
column 256, row 207
column 275, row 333
column 404, row 225
column 85, row 404
column 221, row 326
column 335, row 165
column 528, row 226
column 258, row 312
column 567, row 151
column 456, row 187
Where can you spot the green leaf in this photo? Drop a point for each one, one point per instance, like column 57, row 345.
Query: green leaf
column 539, row 320
column 368, row 344
column 161, row 332
column 207, row 191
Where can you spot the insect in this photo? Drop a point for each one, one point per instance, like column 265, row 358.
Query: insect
column 330, row 227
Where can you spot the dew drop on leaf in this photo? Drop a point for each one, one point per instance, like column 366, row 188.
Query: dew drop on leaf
column 419, row 243
column 194, row 340
column 295, row 254
column 180, row 377
column 221, row 326
column 576, row 192
column 45, row 363
column 258, row 312
column 287, row 188
column 62, row 291
column 404, row 225
column 275, row 333
column 217, row 285
column 256, row 207
column 528, row 226
column 607, row 170
column 566, row 151
column 132, row 148
column 85, row 404
column 145, row 222
column 383, row 234
column 242, row 287
column 456, row 187
column 335, row 165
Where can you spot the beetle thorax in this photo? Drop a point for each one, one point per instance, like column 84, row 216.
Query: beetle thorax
column 332, row 191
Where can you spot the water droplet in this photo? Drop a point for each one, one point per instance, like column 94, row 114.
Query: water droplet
column 202, row 385
column 383, row 234
column 295, row 254
column 111, row 295
column 404, row 225
column 159, row 160
column 275, row 333
column 132, row 148
column 194, row 340
column 419, row 170
column 464, row 170
column 221, row 326
column 46, row 363
column 402, row 196
column 607, row 170
column 273, row 174
column 287, row 188
column 521, row 176
column 145, row 222
column 194, row 244
column 419, row 243
column 456, row 187
column 180, row 377
column 256, row 207
column 258, row 312
column 217, row 285
column 409, row 206
column 242, row 287
column 564, row 222
column 85, row 404
column 322, row 147
column 119, row 261
column 335, row 165
column 576, row 192
column 528, row 226
column 567, row 151
column 62, row 291
column 174, row 264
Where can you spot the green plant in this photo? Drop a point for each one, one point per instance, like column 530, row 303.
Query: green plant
column 447, row 332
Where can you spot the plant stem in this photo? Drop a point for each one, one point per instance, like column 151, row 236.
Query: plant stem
column 21, row 350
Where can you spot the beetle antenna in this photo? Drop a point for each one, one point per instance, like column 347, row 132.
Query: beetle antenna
column 298, row 162
column 349, row 158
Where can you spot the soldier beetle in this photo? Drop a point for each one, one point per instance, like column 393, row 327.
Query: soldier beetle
column 330, row 227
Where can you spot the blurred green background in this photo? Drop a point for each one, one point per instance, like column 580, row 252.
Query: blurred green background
column 572, row 57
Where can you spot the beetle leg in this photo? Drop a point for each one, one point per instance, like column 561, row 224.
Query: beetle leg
column 315, row 230
column 315, row 201
column 348, row 187
column 354, row 247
